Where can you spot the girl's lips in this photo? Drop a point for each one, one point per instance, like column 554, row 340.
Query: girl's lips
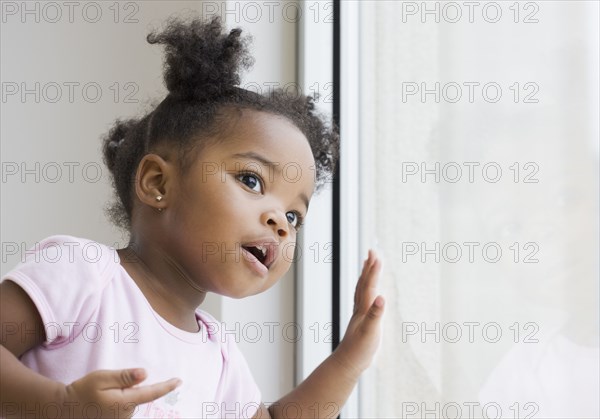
column 254, row 263
column 270, row 246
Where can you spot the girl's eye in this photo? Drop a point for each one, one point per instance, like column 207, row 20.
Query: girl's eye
column 294, row 219
column 251, row 181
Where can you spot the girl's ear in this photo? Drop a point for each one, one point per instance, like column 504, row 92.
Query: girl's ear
column 152, row 181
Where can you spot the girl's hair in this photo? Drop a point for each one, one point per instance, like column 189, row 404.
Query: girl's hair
column 202, row 74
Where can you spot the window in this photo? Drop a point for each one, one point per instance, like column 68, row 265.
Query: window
column 471, row 162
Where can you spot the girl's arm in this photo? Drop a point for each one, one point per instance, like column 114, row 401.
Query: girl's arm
column 21, row 329
column 25, row 393
column 326, row 390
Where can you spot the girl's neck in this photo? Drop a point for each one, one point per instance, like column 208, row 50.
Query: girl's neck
column 166, row 288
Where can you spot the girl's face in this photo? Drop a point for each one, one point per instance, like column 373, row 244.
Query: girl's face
column 232, row 219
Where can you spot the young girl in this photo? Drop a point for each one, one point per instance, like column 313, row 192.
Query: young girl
column 202, row 192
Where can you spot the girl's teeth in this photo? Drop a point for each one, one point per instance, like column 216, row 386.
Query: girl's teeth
column 262, row 250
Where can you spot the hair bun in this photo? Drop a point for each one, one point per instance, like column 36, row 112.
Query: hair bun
column 114, row 139
column 201, row 60
column 114, row 142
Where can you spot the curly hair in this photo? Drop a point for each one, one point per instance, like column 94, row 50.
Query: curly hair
column 202, row 74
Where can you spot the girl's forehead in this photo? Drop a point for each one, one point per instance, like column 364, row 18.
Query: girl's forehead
column 265, row 133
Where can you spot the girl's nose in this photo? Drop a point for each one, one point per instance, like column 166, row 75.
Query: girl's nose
column 277, row 221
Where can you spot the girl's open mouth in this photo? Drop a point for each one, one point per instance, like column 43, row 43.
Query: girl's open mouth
column 261, row 254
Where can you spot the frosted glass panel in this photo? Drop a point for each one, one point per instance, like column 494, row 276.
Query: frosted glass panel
column 479, row 144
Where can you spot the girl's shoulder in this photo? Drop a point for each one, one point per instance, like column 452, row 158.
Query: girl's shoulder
column 65, row 277
column 70, row 253
column 60, row 269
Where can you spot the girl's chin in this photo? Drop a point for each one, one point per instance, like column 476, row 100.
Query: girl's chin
column 236, row 280
column 240, row 293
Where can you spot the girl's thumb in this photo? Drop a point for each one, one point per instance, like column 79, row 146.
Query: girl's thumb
column 376, row 309
column 107, row 379
column 129, row 377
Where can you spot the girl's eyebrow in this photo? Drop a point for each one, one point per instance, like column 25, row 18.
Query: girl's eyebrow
column 255, row 156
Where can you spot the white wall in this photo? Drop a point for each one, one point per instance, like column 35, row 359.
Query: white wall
column 57, row 46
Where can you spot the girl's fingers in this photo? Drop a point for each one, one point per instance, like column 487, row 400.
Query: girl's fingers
column 146, row 394
column 361, row 279
column 366, row 287
column 124, row 381
column 370, row 284
column 357, row 288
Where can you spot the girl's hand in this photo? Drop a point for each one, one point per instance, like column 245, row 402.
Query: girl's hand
column 113, row 393
column 355, row 352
